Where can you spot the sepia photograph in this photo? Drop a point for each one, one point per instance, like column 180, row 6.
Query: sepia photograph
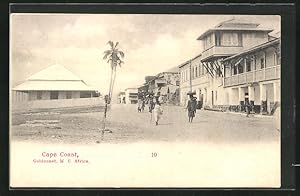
column 145, row 100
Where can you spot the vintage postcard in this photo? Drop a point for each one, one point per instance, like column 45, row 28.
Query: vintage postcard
column 145, row 100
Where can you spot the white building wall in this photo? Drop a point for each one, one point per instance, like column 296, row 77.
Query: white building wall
column 75, row 94
column 45, row 95
column 62, row 95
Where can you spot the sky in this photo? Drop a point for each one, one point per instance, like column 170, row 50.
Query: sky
column 151, row 43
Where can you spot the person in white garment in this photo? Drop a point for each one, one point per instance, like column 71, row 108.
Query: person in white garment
column 157, row 112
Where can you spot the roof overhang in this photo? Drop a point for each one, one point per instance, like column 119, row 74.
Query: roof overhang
column 232, row 29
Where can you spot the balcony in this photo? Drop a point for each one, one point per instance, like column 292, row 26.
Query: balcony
column 220, row 51
column 268, row 73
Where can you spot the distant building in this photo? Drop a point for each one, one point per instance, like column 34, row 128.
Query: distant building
column 131, row 95
column 121, row 97
column 54, row 82
column 166, row 84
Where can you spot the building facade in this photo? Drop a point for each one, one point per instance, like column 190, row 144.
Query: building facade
column 254, row 75
column 166, row 84
column 240, row 62
column 131, row 95
column 194, row 78
column 121, row 97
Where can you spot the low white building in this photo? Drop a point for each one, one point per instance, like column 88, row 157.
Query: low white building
column 54, row 82
column 131, row 95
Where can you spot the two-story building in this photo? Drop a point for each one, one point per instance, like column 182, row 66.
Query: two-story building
column 224, row 40
column 239, row 61
column 254, row 75
column 194, row 78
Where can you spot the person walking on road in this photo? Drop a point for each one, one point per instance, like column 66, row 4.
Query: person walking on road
column 150, row 104
column 157, row 112
column 248, row 108
column 191, row 107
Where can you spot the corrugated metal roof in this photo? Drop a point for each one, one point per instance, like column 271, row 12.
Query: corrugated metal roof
column 40, row 85
column 54, row 72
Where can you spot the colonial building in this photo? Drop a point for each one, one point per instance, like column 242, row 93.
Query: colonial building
column 239, row 61
column 54, row 82
column 194, row 78
column 254, row 75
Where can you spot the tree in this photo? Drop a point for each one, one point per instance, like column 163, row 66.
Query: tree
column 114, row 56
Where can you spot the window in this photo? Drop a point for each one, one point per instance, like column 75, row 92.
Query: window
column 54, row 95
column 39, row 95
column 177, row 83
column 196, row 72
column 216, row 95
column 192, row 73
column 253, row 62
column 248, row 64
column 262, row 63
column 240, row 40
column 240, row 68
column 277, row 58
column 218, row 38
column 229, row 39
column 69, row 95
column 235, row 70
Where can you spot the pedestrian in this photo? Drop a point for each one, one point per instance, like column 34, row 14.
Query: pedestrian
column 139, row 105
column 247, row 108
column 157, row 112
column 143, row 105
column 191, row 107
column 150, row 104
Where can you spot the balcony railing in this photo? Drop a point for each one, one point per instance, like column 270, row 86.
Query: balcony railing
column 220, row 51
column 268, row 73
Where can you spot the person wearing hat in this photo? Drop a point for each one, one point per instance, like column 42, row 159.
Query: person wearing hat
column 191, row 107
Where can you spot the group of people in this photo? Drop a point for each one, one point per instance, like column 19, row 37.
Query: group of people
column 154, row 106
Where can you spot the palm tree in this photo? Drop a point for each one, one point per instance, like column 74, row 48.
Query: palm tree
column 113, row 56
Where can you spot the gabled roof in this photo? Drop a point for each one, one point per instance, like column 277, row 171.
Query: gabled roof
column 54, row 78
column 54, row 72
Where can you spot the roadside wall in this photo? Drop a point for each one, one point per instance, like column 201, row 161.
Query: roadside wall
column 57, row 103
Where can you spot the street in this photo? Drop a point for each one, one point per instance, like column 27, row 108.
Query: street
column 216, row 150
column 127, row 125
